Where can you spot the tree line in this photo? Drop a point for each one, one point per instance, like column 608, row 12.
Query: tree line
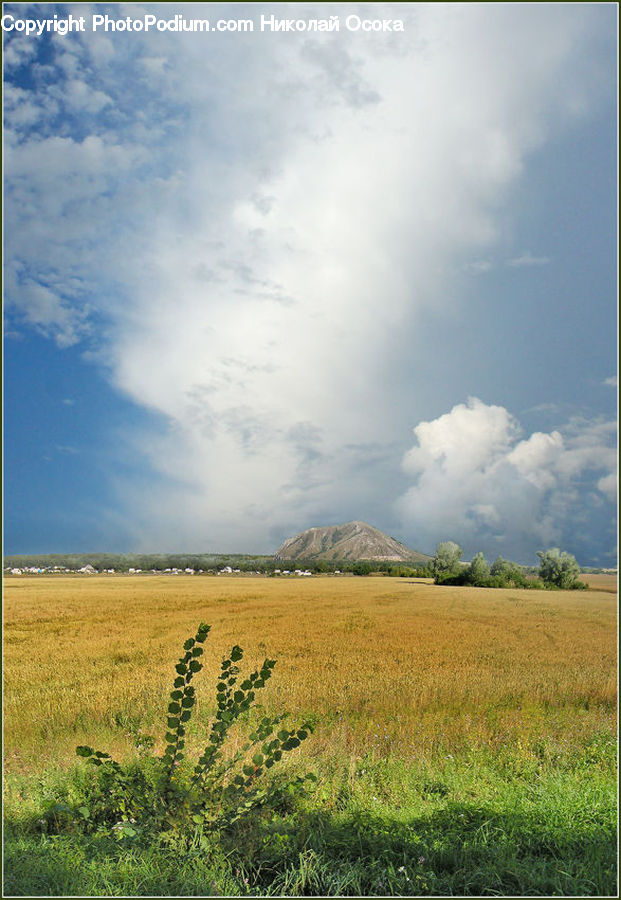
column 210, row 563
column 557, row 569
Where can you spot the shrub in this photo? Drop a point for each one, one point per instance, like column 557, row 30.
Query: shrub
column 162, row 795
column 362, row 568
column 559, row 569
column 512, row 574
column 502, row 574
column 478, row 571
column 446, row 561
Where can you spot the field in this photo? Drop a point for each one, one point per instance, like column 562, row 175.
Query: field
column 464, row 738
column 601, row 582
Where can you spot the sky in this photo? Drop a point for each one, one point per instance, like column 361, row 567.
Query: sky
column 260, row 281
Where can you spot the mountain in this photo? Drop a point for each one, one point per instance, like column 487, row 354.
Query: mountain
column 353, row 541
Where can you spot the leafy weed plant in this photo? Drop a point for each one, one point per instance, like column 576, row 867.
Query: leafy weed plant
column 162, row 795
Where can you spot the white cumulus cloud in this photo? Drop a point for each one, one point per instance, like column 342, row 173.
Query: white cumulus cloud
column 478, row 481
column 608, row 486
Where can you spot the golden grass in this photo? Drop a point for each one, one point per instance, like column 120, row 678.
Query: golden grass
column 601, row 582
column 388, row 665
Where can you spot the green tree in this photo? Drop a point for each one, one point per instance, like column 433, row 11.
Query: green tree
column 478, row 570
column 509, row 571
column 502, row 567
column 558, row 568
column 446, row 560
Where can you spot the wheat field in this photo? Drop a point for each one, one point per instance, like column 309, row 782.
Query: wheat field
column 384, row 666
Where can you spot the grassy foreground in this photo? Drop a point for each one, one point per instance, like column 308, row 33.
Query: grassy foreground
column 464, row 738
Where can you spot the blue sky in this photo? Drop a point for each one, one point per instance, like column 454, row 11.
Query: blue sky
column 258, row 282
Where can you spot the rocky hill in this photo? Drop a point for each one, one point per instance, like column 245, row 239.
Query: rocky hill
column 351, row 541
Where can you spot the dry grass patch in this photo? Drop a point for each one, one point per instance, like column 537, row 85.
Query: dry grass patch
column 387, row 665
column 601, row 582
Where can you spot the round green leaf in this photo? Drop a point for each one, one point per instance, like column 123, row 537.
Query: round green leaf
column 258, row 759
column 203, row 631
column 186, row 715
column 197, row 651
column 189, row 644
column 187, row 702
column 195, row 666
column 181, row 668
column 174, row 708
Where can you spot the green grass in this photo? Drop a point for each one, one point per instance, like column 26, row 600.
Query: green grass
column 480, row 823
